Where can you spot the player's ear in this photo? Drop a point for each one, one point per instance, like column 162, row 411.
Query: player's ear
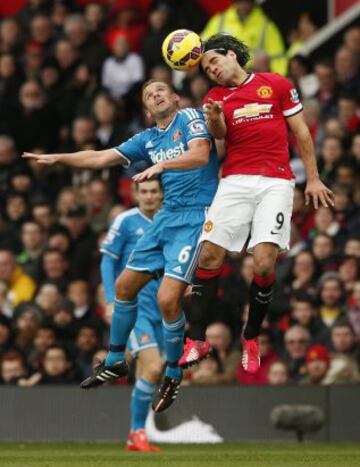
column 176, row 98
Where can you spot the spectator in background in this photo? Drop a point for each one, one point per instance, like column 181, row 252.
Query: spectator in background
column 87, row 45
column 34, row 123
column 48, row 297
column 55, row 268
column 347, row 69
column 57, row 367
column 98, row 204
column 10, row 36
column 109, row 131
column 349, row 273
column 59, row 238
column 324, row 252
column 331, row 298
column 219, row 336
column 157, row 29
column 249, row 23
column 32, row 239
column 297, row 340
column 27, row 319
column 43, row 213
column 87, row 342
column 327, row 90
column 95, row 16
column 64, row 323
column 305, row 29
column 353, row 310
column 44, row 338
column 83, row 242
column 343, row 341
column 123, row 70
column 209, row 371
column 331, row 153
column 278, row 374
column 78, row 292
column 19, row 286
column 6, row 332
column 41, row 34
column 13, row 367
column 11, row 77
column 317, row 364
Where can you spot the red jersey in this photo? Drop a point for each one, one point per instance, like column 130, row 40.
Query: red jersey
column 256, row 141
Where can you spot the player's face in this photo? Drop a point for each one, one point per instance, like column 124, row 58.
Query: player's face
column 149, row 195
column 220, row 68
column 159, row 99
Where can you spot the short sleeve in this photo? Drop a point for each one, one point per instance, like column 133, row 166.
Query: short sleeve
column 194, row 125
column 133, row 150
column 289, row 98
column 115, row 239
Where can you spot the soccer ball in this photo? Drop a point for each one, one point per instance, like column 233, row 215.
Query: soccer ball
column 182, row 49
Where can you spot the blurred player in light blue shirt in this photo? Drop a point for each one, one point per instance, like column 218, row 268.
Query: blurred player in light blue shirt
column 146, row 339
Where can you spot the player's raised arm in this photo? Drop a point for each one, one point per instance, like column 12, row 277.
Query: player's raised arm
column 88, row 159
column 213, row 111
column 315, row 190
column 196, row 156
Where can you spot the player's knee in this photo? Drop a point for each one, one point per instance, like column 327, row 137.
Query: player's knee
column 210, row 258
column 168, row 304
column 263, row 266
column 124, row 289
column 152, row 372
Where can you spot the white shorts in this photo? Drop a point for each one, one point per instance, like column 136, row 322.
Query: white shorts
column 250, row 205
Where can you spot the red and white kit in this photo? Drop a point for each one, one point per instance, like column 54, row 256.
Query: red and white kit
column 255, row 195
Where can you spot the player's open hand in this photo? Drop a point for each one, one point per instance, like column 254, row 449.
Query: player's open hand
column 149, row 173
column 213, row 109
column 47, row 159
column 317, row 192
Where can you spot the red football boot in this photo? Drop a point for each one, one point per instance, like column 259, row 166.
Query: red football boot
column 251, row 355
column 194, row 352
column 137, row 441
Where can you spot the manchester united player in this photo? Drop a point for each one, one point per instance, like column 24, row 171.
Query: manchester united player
column 252, row 113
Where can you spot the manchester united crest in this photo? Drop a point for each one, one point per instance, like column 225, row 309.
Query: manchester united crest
column 264, row 92
column 208, row 226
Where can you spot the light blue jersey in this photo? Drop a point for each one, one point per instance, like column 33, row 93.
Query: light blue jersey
column 182, row 188
column 169, row 246
column 119, row 242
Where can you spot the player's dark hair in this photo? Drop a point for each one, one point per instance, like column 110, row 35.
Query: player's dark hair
column 222, row 43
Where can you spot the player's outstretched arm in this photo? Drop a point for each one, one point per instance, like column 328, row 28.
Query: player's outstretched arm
column 196, row 156
column 83, row 159
column 315, row 190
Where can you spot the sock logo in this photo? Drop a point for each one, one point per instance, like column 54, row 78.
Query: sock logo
column 174, row 340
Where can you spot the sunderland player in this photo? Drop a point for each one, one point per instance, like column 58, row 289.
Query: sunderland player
column 146, row 339
column 252, row 113
column 181, row 148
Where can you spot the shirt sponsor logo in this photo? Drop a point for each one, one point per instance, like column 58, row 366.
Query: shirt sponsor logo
column 264, row 92
column 294, row 96
column 162, row 155
column 252, row 110
column 176, row 135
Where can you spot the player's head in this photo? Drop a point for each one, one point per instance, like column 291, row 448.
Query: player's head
column 223, row 56
column 159, row 98
column 149, row 195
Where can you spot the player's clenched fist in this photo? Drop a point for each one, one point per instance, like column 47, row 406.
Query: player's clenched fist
column 213, row 109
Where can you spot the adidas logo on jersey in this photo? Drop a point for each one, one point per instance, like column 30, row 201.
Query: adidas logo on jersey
column 149, row 145
column 171, row 153
column 139, row 231
column 178, row 269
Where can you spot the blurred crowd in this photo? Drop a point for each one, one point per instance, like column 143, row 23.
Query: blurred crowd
column 70, row 79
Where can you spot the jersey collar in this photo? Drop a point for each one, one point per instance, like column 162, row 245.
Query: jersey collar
column 164, row 130
column 249, row 78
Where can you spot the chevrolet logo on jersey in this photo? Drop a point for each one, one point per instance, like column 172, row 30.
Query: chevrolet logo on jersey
column 252, row 110
column 160, row 156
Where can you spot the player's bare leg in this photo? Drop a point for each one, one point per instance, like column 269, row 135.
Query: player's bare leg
column 128, row 284
column 204, row 293
column 261, row 291
column 148, row 372
column 170, row 294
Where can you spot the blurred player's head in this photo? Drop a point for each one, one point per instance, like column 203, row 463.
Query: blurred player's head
column 223, row 58
column 159, row 99
column 149, row 196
